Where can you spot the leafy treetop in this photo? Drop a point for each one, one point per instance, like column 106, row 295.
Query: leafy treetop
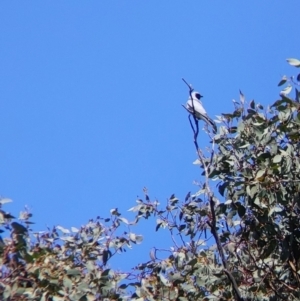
column 242, row 243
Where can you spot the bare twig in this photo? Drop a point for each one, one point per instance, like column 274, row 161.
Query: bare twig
column 196, row 128
column 190, row 86
column 213, row 221
column 174, row 221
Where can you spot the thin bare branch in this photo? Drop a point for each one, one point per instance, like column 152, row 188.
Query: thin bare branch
column 213, row 221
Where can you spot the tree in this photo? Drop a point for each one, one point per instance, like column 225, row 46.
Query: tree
column 239, row 241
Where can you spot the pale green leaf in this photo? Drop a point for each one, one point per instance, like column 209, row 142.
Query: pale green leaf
column 114, row 211
column 245, row 145
column 164, row 280
column 62, row 229
column 132, row 237
column 67, row 282
column 277, row 159
column 242, row 97
column 286, row 90
column 74, row 230
column 124, row 220
column 139, row 239
column 5, row 200
column 283, row 81
column 73, row 272
column 197, row 162
column 294, row 62
column 260, row 174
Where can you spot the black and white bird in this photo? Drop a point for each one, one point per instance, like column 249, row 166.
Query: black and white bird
column 195, row 107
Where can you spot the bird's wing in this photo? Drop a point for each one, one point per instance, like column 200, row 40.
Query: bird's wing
column 199, row 112
column 197, row 106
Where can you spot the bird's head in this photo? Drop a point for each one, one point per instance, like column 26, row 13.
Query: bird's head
column 196, row 95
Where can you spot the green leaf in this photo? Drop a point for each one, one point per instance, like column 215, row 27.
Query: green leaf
column 7, row 292
column 135, row 238
column 193, row 261
column 2, row 219
column 158, row 226
column 242, row 97
column 63, row 230
column 124, row 220
column 114, row 211
column 222, row 188
column 5, row 201
column 286, row 90
column 172, row 196
column 74, row 230
column 283, row 81
column 241, row 210
column 181, row 227
column 260, row 175
column 67, row 282
column 297, row 96
column 73, row 272
column 245, row 145
column 277, row 159
column 231, row 247
column 221, row 209
column 294, row 62
column 106, row 254
column 232, row 130
column 138, row 239
column 18, row 228
column 187, row 196
column 164, row 280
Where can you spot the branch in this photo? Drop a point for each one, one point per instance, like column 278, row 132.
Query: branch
column 214, row 231
column 221, row 250
column 213, row 222
column 196, row 128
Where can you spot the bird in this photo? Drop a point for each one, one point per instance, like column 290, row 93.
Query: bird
column 195, row 107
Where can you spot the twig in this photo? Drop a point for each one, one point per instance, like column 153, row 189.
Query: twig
column 174, row 221
column 213, row 221
column 215, row 234
column 196, row 129
column 190, row 86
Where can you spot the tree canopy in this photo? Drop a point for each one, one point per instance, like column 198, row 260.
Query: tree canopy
column 236, row 238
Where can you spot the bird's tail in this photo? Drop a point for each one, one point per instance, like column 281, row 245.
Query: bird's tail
column 212, row 123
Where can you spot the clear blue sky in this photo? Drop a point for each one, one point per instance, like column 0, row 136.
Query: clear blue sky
column 91, row 96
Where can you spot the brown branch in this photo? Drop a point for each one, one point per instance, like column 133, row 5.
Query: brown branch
column 213, row 222
column 196, row 128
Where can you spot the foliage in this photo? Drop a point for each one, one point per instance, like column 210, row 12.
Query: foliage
column 240, row 241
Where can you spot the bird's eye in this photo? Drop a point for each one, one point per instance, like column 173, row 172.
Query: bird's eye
column 197, row 95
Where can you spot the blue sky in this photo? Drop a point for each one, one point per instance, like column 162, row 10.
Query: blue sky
column 91, row 96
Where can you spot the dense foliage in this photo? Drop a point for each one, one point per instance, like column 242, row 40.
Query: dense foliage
column 239, row 240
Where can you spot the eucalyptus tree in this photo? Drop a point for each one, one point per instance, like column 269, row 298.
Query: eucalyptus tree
column 236, row 238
